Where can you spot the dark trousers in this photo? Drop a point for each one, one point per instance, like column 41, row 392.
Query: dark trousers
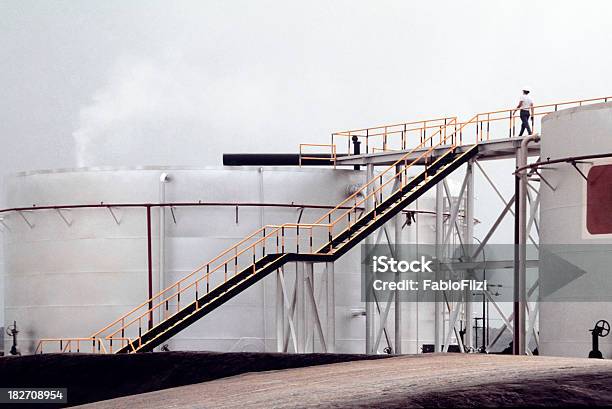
column 525, row 114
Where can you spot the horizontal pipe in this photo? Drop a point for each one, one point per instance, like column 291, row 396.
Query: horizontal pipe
column 170, row 204
column 189, row 204
column 568, row 159
column 277, row 159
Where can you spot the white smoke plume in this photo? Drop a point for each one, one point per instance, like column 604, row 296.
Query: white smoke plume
column 168, row 112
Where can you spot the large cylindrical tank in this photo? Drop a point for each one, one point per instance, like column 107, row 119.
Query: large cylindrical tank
column 71, row 272
column 576, row 231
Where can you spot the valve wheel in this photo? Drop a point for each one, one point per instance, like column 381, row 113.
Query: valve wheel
column 603, row 328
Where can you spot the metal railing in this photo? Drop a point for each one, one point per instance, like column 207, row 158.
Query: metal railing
column 390, row 137
column 242, row 257
column 305, row 156
column 308, row 238
column 506, row 122
column 63, row 345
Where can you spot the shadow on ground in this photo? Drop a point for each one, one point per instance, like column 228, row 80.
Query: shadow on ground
column 91, row 378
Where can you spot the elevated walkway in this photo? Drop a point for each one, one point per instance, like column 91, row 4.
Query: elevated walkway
column 487, row 150
column 418, row 155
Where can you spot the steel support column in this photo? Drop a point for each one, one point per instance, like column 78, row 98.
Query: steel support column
column 369, row 306
column 398, row 256
column 309, row 311
column 330, row 310
column 468, row 241
column 438, row 306
column 280, row 313
column 300, row 306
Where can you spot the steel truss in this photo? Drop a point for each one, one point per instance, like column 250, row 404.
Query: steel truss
column 305, row 317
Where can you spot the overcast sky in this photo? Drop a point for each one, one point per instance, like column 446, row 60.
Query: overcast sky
column 89, row 83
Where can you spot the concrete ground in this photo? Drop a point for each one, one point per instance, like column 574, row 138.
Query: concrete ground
column 431, row 380
column 95, row 377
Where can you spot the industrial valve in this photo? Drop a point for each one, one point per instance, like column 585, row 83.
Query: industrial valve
column 12, row 331
column 601, row 329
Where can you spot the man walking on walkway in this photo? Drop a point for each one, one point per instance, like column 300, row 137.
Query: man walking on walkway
column 526, row 107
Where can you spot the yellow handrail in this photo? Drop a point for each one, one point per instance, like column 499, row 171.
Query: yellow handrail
column 332, row 158
column 252, row 243
column 386, row 131
column 153, row 307
column 373, row 180
column 237, row 253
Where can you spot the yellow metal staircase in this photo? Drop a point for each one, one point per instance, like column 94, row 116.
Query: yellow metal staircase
column 209, row 286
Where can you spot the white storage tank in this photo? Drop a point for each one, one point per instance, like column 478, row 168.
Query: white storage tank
column 71, row 272
column 576, row 231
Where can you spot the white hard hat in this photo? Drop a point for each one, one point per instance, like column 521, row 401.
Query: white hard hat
column 526, row 88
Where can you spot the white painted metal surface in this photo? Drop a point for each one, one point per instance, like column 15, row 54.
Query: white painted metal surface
column 70, row 273
column 566, row 319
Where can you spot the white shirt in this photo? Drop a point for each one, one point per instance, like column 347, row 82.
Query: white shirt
column 525, row 102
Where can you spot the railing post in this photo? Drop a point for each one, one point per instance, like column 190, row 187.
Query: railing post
column 283, row 239
column 196, row 294
column 311, row 229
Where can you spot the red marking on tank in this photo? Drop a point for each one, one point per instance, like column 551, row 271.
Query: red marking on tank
column 599, row 200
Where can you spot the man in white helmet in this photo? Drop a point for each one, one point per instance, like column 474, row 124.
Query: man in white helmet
column 526, row 106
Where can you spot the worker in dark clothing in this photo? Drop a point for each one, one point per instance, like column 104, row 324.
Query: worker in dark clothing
column 526, row 106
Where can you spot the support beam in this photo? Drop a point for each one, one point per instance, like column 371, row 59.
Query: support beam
column 520, row 290
column 452, row 323
column 451, row 206
column 468, row 240
column 290, row 308
column 398, row 255
column 438, row 307
column 330, row 308
column 506, row 325
column 300, row 306
column 314, row 311
column 309, row 313
column 280, row 313
column 454, row 209
column 383, row 320
column 369, row 306
column 493, row 228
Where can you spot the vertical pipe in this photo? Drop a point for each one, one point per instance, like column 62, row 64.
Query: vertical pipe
column 150, row 266
column 161, row 268
column 330, row 308
column 369, row 306
column 438, row 307
column 468, row 242
column 517, row 306
column 520, row 252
